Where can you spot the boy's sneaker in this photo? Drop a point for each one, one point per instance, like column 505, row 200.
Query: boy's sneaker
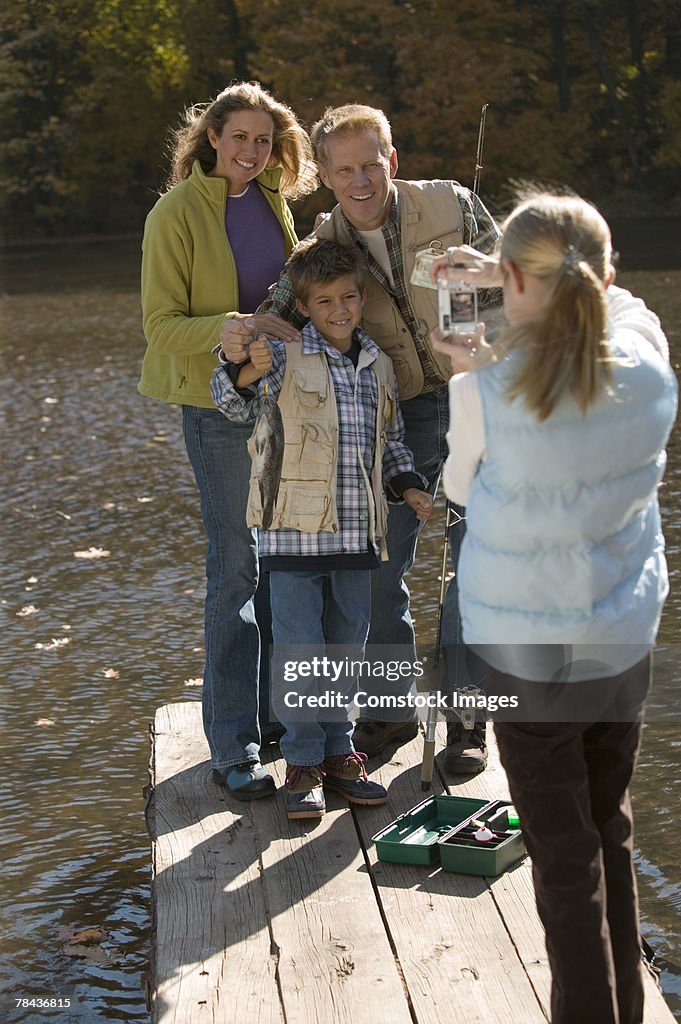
column 304, row 793
column 346, row 775
column 466, row 750
column 247, row 781
column 371, row 738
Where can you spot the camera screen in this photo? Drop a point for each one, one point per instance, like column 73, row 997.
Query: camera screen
column 461, row 307
column 457, row 307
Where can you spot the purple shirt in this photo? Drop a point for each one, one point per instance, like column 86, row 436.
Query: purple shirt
column 257, row 241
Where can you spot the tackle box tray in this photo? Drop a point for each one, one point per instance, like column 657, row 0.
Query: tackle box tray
column 461, row 852
column 413, row 837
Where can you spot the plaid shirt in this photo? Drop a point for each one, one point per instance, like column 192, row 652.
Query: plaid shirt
column 356, row 392
column 479, row 230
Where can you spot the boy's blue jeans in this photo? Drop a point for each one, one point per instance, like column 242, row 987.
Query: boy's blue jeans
column 219, row 457
column 313, row 612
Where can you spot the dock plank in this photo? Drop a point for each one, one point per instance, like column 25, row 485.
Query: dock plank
column 333, row 948
column 259, row 918
column 213, row 945
column 456, row 958
column 332, row 944
column 512, row 891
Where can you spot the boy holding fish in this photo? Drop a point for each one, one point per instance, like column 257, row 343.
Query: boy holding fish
column 326, row 450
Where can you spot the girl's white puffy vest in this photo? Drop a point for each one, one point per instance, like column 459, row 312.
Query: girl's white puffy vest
column 564, row 543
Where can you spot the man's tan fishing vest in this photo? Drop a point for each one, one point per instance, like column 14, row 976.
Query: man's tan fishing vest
column 307, row 490
column 429, row 210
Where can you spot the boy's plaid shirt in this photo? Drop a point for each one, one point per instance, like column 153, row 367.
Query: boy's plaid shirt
column 479, row 230
column 356, row 392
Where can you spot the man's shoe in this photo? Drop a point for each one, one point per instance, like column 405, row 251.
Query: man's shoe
column 304, row 793
column 373, row 737
column 466, row 751
column 247, row 781
column 346, row 775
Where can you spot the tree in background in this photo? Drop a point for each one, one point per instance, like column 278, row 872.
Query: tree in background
column 40, row 60
column 583, row 93
column 89, row 89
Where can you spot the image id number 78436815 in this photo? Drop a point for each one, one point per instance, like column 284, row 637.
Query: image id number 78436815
column 42, row 1002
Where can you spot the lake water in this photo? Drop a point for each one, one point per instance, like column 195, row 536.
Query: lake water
column 102, row 602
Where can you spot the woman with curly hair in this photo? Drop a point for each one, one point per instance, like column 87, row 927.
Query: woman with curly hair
column 213, row 243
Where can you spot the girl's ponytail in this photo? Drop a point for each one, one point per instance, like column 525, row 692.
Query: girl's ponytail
column 566, row 242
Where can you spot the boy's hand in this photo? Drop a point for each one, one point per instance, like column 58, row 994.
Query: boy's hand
column 235, row 334
column 420, row 501
column 260, row 352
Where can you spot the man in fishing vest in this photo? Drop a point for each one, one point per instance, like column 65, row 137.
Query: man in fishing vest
column 390, row 221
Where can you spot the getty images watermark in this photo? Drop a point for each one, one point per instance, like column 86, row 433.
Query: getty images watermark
column 329, row 671
column 605, row 683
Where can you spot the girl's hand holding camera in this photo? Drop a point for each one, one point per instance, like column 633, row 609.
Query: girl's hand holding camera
column 464, row 263
column 465, row 351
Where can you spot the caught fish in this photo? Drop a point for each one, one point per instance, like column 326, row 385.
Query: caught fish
column 268, row 456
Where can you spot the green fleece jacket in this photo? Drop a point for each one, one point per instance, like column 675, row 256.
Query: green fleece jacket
column 189, row 283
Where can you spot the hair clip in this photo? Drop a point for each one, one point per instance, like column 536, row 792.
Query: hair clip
column 572, row 257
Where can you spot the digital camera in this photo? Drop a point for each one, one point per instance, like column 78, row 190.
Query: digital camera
column 457, row 305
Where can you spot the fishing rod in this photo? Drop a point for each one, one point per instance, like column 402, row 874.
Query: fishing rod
column 451, row 518
column 478, row 152
column 428, row 759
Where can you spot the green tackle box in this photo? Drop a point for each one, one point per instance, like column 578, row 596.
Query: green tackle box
column 413, row 837
column 461, row 852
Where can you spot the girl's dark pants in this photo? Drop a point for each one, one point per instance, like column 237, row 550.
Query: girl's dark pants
column 569, row 783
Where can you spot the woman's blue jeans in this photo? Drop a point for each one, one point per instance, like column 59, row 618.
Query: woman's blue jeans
column 219, row 457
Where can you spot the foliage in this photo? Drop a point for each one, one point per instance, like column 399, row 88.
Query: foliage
column 582, row 93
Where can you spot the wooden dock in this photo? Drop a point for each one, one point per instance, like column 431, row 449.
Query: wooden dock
column 263, row 920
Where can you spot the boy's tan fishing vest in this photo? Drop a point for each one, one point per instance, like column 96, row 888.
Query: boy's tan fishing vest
column 429, row 210
column 307, row 490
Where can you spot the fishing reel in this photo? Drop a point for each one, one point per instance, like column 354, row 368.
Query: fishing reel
column 468, row 708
